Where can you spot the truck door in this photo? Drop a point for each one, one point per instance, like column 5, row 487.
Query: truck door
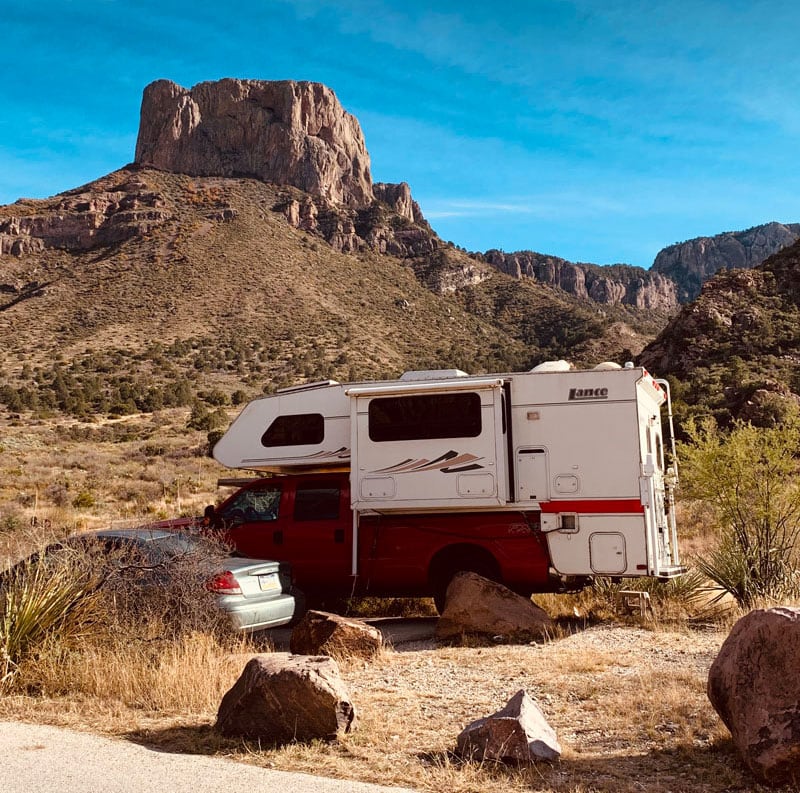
column 317, row 537
column 251, row 517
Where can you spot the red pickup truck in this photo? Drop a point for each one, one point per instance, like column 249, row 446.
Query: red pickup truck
column 306, row 520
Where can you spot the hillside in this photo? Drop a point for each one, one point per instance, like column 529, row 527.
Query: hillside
column 736, row 349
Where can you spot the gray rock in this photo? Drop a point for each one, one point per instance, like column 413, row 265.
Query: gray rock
column 476, row 605
column 282, row 698
column 754, row 687
column 517, row 734
column 321, row 633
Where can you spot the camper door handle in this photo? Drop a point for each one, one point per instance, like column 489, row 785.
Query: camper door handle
column 277, row 537
column 338, row 535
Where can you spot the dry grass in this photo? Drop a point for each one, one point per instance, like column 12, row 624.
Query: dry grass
column 628, row 704
column 627, row 700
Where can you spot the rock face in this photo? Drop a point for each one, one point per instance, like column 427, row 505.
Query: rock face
column 618, row 284
column 517, row 734
column 84, row 220
column 691, row 263
column 476, row 605
column 286, row 132
column 283, row 698
column 754, row 687
column 321, row 633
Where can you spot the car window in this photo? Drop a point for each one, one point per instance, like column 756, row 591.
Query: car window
column 316, row 502
column 252, row 505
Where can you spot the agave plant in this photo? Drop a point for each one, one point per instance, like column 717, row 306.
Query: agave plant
column 38, row 599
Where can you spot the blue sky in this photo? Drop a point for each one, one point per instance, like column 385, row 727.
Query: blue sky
column 593, row 130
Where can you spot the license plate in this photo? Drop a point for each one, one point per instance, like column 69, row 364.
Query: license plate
column 269, row 582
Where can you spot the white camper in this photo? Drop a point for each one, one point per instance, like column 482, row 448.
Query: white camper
column 580, row 451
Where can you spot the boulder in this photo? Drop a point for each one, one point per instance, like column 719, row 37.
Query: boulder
column 517, row 734
column 754, row 687
column 321, row 633
column 282, row 698
column 476, row 605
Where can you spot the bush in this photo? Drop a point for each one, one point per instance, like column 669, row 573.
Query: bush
column 749, row 479
column 40, row 598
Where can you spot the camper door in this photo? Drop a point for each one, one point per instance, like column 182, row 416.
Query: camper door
column 422, row 446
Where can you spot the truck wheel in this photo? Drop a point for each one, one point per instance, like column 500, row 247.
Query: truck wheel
column 458, row 560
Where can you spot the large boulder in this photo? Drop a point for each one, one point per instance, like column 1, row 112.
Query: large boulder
column 754, row 686
column 282, row 698
column 321, row 633
column 476, row 605
column 281, row 131
column 517, row 734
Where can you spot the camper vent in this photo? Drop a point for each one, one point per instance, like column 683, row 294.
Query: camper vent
column 433, row 374
column 307, row 386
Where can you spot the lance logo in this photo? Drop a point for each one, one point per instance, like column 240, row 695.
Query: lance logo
column 579, row 394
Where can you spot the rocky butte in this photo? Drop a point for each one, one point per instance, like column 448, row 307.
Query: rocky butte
column 285, row 132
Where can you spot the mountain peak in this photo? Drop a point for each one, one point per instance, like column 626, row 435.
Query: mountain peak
column 285, row 132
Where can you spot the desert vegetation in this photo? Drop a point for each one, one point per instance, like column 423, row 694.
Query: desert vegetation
column 135, row 673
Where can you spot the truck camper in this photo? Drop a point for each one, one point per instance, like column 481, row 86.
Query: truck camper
column 541, row 480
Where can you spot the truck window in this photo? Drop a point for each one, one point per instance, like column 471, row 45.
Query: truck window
column 300, row 430
column 252, row 505
column 425, row 417
column 316, row 502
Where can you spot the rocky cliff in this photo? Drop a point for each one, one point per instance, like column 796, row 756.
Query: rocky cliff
column 619, row 284
column 284, row 132
column 691, row 263
column 736, row 346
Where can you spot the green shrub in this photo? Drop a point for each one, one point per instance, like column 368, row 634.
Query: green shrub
column 38, row 599
column 749, row 479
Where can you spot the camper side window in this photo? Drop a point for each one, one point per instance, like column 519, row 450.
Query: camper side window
column 300, row 430
column 425, row 417
column 252, row 505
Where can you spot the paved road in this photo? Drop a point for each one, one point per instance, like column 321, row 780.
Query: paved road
column 43, row 759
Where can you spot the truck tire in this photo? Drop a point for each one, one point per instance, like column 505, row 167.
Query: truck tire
column 458, row 559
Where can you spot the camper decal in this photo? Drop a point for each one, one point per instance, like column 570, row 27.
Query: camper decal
column 449, row 463
column 342, row 453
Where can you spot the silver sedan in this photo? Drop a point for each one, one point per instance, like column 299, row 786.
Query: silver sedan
column 255, row 593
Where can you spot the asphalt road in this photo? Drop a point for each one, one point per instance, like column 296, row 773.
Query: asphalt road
column 42, row 759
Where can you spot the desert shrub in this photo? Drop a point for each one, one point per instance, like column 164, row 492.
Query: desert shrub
column 40, row 598
column 749, row 479
column 83, row 500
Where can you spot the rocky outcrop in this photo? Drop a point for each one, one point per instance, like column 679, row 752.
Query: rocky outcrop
column 754, row 687
column 474, row 605
column 395, row 227
column 84, row 219
column 518, row 734
column 285, row 132
column 321, row 633
column 691, row 263
column 283, row 698
column 398, row 198
column 619, row 284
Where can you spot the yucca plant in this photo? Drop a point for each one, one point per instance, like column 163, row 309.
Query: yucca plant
column 39, row 598
column 749, row 478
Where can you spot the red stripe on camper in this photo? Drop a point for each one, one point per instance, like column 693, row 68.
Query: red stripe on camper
column 613, row 506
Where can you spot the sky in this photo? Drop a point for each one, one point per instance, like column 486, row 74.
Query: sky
column 595, row 130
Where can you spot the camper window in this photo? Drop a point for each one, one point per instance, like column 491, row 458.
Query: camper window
column 425, row 417
column 316, row 502
column 300, row 430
